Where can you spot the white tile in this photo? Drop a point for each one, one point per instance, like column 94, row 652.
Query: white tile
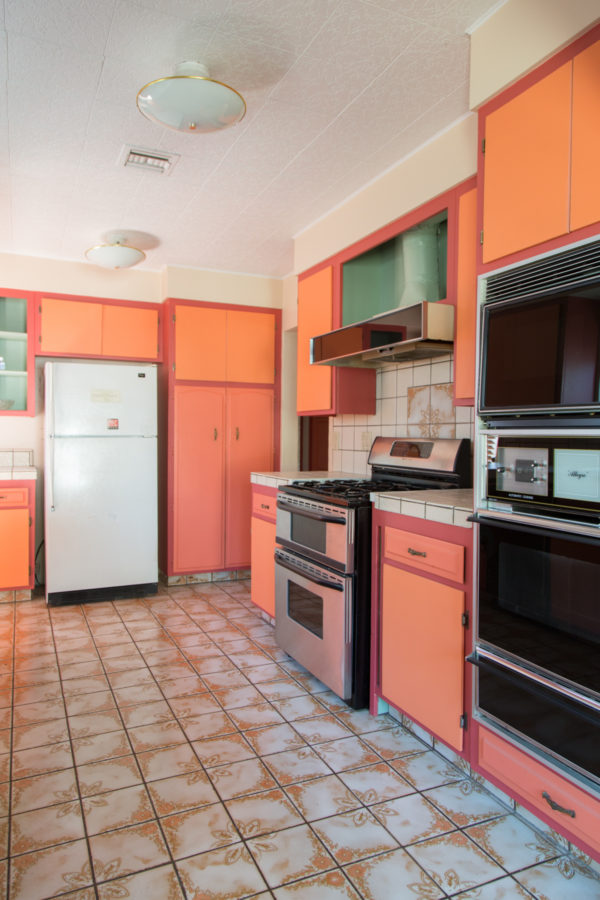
column 460, row 517
column 443, row 514
column 440, row 373
column 421, row 375
column 404, row 380
column 388, row 411
column 388, row 383
column 410, row 508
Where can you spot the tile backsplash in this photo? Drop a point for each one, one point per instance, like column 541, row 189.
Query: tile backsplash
column 414, row 399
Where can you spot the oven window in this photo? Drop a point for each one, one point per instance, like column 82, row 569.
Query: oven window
column 305, row 608
column 308, row 532
column 538, row 599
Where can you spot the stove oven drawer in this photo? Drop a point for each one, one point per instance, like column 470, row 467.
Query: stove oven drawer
column 425, row 553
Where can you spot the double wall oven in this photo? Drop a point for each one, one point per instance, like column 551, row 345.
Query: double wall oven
column 323, row 562
column 537, row 495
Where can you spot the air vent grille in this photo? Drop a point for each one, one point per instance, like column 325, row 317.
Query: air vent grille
column 158, row 161
column 560, row 272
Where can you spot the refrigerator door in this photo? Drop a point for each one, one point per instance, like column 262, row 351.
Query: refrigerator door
column 110, row 399
column 100, row 512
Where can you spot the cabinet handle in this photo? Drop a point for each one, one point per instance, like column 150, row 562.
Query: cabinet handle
column 215, row 434
column 237, row 434
column 416, row 552
column 3, row 496
column 556, row 806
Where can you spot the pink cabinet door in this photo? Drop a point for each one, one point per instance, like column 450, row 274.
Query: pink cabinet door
column 198, row 515
column 250, row 449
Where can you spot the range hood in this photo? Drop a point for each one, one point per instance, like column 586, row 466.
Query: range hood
column 420, row 331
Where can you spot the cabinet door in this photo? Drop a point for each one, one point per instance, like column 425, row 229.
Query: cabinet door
column 71, row 327
column 249, row 449
column 263, row 564
column 315, row 297
column 129, row 332
column 466, row 299
column 250, row 347
column 200, row 343
column 527, row 158
column 14, row 540
column 422, row 651
column 585, row 184
column 16, row 352
column 198, row 512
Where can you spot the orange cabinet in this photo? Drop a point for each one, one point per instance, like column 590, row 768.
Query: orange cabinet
column 16, row 535
column 90, row 328
column 466, row 300
column 16, row 355
column 263, row 549
column 220, row 435
column 221, row 344
column 539, row 164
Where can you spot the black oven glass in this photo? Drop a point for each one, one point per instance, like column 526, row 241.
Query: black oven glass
column 541, row 353
column 305, row 608
column 307, row 532
column 539, row 599
column 565, row 727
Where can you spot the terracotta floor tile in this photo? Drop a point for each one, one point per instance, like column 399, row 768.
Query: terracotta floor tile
column 426, row 770
column 263, row 813
column 392, row 876
column 36, row 876
column 80, row 704
column 465, row 803
column 198, row 830
column 38, row 760
column 196, row 705
column 116, row 809
column 320, row 729
column 346, row 753
column 37, row 693
column 31, row 713
column 230, row 872
column 299, row 707
column 127, row 850
column 182, row 687
column 95, row 723
column 268, row 672
column 29, row 736
column 177, row 760
column 274, row 739
column 257, row 716
column 391, row 743
column 146, row 713
column 411, row 818
column 322, row 797
column 236, row 697
column 159, row 734
column 354, row 835
column 108, row 775
column 329, row 886
column 130, row 677
column 373, row 784
column 503, row 889
column 287, row 855
column 44, row 790
column 218, row 751
column 511, row 843
column 239, row 778
column 182, row 792
column 41, row 828
column 208, row 725
column 100, row 747
column 156, row 884
column 454, row 862
column 135, row 694
column 292, row 766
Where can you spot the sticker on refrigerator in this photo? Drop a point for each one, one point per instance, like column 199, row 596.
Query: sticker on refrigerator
column 105, row 396
column 112, row 424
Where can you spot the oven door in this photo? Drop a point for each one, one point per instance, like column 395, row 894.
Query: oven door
column 322, row 532
column 313, row 619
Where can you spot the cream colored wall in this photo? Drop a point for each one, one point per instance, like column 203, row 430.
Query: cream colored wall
column 222, row 287
column 434, row 168
column 519, row 36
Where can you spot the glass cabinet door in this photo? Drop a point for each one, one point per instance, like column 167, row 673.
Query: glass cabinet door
column 13, row 354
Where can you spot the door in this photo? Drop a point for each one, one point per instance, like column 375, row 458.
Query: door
column 250, row 347
column 198, row 504
column 200, row 343
column 250, row 418
column 422, row 651
column 315, row 299
column 129, row 332
column 14, row 541
column 71, row 327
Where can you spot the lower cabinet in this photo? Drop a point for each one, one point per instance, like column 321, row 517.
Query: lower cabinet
column 263, row 549
column 16, row 536
column 220, row 435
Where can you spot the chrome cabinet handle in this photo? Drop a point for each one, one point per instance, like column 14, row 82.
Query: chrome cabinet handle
column 416, row 552
column 556, row 806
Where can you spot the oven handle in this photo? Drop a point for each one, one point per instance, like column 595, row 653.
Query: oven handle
column 310, row 514
column 298, row 571
column 579, row 531
column 481, row 658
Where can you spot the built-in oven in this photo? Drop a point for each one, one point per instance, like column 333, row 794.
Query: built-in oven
column 318, row 530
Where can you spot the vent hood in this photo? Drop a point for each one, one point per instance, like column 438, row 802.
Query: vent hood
column 420, row 331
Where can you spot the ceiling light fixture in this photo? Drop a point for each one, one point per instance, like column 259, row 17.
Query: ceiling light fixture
column 191, row 101
column 116, row 255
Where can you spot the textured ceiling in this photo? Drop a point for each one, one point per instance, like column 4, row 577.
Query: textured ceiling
column 337, row 91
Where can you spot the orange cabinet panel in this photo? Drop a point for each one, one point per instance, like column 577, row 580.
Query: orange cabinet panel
column 585, row 184
column 422, row 651
column 429, row 554
column 200, row 340
column 129, row 332
column 524, row 777
column 14, row 540
column 70, row 326
column 263, row 565
column 315, row 299
column 264, row 505
column 198, row 514
column 466, row 298
column 250, row 347
column 249, row 448
column 527, row 159
column 13, row 496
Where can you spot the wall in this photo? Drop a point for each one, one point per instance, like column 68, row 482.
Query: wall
column 414, row 399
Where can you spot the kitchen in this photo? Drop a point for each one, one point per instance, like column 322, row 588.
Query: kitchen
column 412, row 399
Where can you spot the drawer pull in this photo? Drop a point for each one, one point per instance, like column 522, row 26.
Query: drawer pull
column 265, row 506
column 556, row 806
column 417, row 552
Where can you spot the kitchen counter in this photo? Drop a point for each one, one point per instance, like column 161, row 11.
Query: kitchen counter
column 452, row 507
column 275, row 479
column 17, row 465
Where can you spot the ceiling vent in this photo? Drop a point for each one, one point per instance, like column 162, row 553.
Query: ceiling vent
column 158, row 161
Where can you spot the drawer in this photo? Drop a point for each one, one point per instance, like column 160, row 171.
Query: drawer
column 425, row 553
column 264, row 505
column 524, row 776
column 14, row 496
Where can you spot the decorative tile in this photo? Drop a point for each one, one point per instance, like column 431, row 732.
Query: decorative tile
column 209, row 725
column 226, row 679
column 262, row 813
column 287, row 855
column 298, row 708
column 281, row 690
column 273, row 739
column 454, row 862
column 360, row 721
column 196, row 705
column 230, row 872
column 255, row 716
column 411, row 819
column 178, row 760
column 95, row 778
column 502, row 889
column 31, row 713
column 95, row 723
column 127, row 850
column 44, row 790
column 182, row 687
column 237, row 779
column 346, row 753
column 391, row 876
column 29, row 736
column 146, row 713
column 321, row 728
column 116, row 809
column 87, row 703
column 426, row 770
column 511, row 843
column 236, row 697
column 221, row 750
column 561, row 879
column 41, row 828
column 45, row 873
column 101, row 747
column 182, row 792
column 329, row 886
column 322, row 797
column 159, row 734
column 392, row 742
column 38, row 760
column 373, row 784
column 198, row 830
column 465, row 803
column 296, row 765
column 136, row 694
column 353, row 835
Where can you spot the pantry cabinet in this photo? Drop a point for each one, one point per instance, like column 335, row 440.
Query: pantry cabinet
column 538, row 158
column 263, row 548
column 16, row 354
column 16, row 535
column 97, row 328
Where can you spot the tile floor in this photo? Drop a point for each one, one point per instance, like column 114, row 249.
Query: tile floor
column 166, row 748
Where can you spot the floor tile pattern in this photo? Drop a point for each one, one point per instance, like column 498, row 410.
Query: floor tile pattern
column 166, row 748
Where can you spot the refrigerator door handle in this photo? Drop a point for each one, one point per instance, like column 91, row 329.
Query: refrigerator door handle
column 50, row 432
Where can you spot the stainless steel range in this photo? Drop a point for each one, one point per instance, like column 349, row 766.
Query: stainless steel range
column 323, row 564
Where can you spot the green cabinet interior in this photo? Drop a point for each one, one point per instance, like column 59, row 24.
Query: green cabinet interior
column 13, row 353
column 374, row 281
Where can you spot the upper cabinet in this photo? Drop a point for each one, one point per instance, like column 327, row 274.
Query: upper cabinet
column 98, row 329
column 223, row 344
column 16, row 355
column 538, row 155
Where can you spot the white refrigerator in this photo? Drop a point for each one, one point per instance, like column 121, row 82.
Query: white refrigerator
column 100, row 480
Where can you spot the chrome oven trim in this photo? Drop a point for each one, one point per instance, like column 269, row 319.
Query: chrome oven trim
column 340, row 538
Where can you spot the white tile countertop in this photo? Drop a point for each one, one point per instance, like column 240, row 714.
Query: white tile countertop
column 275, row 479
column 17, row 465
column 452, row 507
